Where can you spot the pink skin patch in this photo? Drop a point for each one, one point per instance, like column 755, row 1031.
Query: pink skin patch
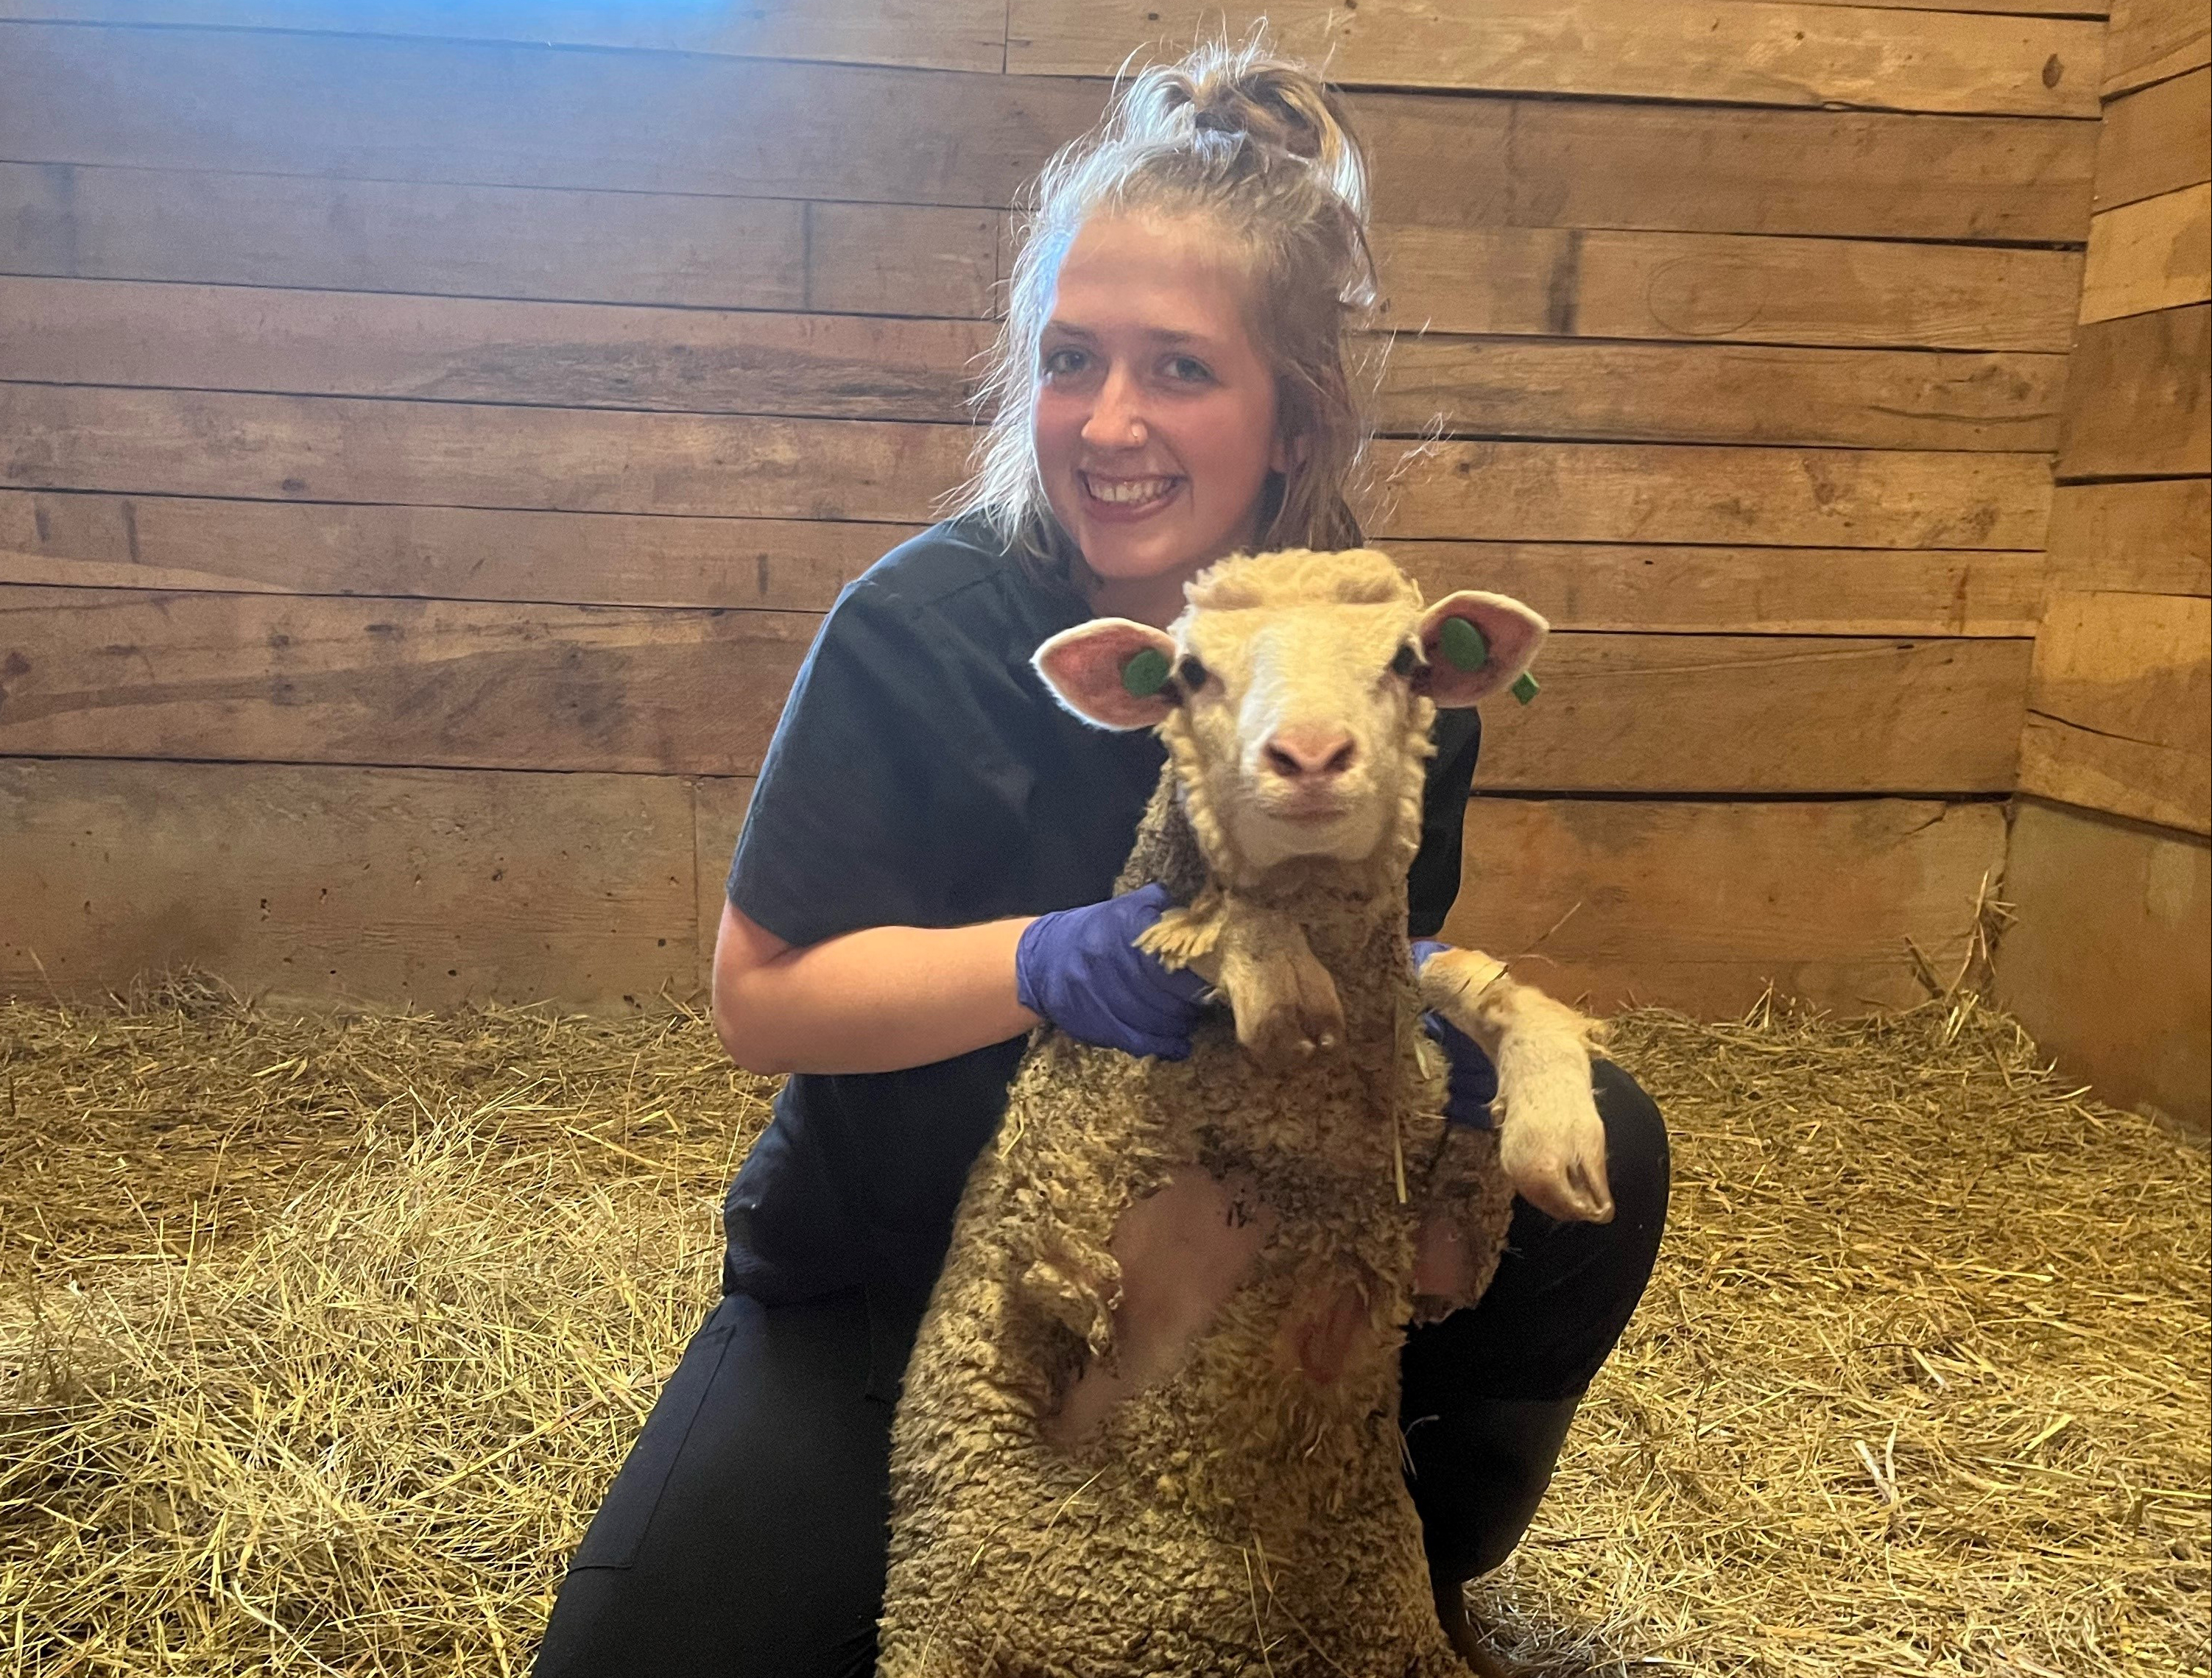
column 1184, row 1252
column 1326, row 1342
column 1442, row 1266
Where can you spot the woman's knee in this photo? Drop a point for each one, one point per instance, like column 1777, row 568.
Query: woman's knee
column 1637, row 1162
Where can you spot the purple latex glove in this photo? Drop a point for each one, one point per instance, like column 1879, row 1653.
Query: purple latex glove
column 1472, row 1084
column 1080, row 969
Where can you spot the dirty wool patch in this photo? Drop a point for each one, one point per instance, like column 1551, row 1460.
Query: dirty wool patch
column 320, row 1338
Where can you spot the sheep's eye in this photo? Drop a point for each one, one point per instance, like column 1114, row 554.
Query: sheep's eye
column 1191, row 674
column 1405, row 663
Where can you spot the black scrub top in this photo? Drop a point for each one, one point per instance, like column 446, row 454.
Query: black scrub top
column 922, row 776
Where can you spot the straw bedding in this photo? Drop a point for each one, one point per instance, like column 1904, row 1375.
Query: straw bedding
column 319, row 1338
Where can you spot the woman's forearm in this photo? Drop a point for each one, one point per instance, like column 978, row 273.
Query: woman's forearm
column 875, row 1000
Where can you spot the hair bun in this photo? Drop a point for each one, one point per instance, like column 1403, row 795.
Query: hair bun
column 1243, row 91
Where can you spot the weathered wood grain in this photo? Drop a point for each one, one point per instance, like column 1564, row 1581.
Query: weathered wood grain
column 456, row 454
column 1601, row 389
column 718, row 806
column 164, row 543
column 2153, row 254
column 257, row 677
column 2120, row 707
column 260, row 678
column 468, row 349
column 252, row 339
column 1728, row 52
column 1649, row 492
column 1700, row 906
column 512, row 115
column 695, row 250
column 1579, row 163
column 2148, row 40
column 2152, row 537
column 424, row 887
column 2106, row 960
column 1765, row 590
column 2156, row 141
column 1742, row 289
column 401, row 111
column 457, row 553
column 2137, row 402
column 934, row 35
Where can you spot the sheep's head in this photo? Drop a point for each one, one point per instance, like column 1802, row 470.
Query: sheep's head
column 1295, row 693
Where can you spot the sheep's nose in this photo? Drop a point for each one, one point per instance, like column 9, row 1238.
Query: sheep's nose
column 1298, row 754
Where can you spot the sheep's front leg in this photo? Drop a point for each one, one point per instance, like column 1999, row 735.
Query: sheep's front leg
column 1284, row 1000
column 1550, row 1139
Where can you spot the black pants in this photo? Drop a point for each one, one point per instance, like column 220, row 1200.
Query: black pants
column 746, row 1536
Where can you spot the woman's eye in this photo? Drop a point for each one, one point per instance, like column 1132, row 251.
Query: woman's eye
column 1059, row 363
column 1405, row 664
column 1188, row 370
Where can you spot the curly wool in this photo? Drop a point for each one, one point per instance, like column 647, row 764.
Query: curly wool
column 1239, row 1516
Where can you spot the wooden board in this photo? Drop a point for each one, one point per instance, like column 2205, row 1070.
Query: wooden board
column 2120, row 707
column 936, row 34
column 2148, row 40
column 2156, row 141
column 1767, row 591
column 455, row 454
column 1700, row 906
column 468, row 349
column 1740, row 288
column 260, row 678
column 2153, row 538
column 2136, row 403
column 309, row 106
column 2153, row 254
column 719, row 806
column 424, row 887
column 2106, row 960
column 232, row 677
column 461, row 553
column 495, row 241
column 509, row 115
column 1722, row 394
column 1628, row 492
column 247, row 338
column 1728, row 53
column 177, row 543
column 1576, row 163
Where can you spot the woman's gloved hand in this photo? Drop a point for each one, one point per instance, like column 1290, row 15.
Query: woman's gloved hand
column 1080, row 969
column 1472, row 1084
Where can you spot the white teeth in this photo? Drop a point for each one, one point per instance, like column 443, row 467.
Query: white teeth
column 1128, row 490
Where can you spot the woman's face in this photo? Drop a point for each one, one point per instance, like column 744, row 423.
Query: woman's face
column 1155, row 410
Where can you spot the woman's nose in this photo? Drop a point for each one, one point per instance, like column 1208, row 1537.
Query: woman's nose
column 1115, row 421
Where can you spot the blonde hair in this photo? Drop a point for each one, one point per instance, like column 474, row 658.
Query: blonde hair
column 1260, row 148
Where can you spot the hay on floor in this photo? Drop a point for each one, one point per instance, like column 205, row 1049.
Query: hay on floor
column 319, row 1339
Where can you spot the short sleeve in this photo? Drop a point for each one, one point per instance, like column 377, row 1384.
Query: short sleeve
column 845, row 828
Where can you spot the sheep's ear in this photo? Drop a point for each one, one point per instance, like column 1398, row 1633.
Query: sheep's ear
column 1111, row 671
column 1477, row 644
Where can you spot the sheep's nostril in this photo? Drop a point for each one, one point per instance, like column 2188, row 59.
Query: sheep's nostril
column 1297, row 756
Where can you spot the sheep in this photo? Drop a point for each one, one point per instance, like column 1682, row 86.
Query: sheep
column 1149, row 1428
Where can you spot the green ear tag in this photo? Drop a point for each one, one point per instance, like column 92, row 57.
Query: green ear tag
column 1145, row 673
column 1525, row 687
column 1463, row 644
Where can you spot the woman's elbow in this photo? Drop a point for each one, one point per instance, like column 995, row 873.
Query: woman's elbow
column 743, row 1039
column 743, row 952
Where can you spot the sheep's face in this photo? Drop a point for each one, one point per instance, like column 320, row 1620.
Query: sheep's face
column 1296, row 691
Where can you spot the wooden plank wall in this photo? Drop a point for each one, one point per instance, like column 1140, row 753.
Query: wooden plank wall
column 430, row 433
column 2110, row 959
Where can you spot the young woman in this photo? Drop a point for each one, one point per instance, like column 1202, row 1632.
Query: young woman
column 925, row 874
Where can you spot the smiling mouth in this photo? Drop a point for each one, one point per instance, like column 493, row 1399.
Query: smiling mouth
column 1128, row 494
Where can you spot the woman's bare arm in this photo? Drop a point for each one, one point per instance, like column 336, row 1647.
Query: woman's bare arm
column 875, row 1000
